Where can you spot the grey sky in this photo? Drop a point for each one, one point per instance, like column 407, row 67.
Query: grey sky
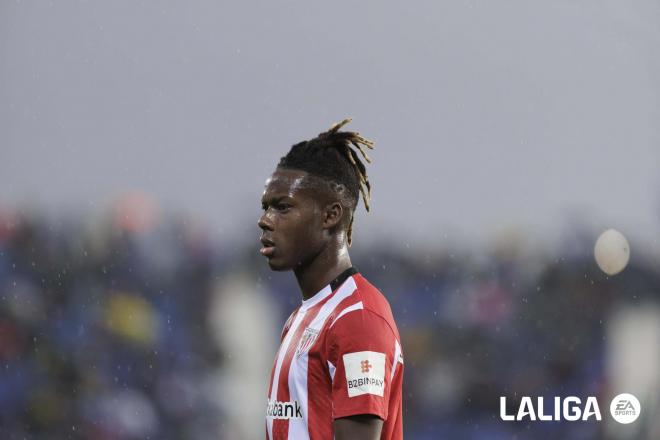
column 486, row 115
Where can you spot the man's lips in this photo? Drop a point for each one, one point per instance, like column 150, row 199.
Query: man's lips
column 268, row 247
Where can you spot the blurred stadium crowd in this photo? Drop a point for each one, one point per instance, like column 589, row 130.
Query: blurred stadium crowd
column 107, row 332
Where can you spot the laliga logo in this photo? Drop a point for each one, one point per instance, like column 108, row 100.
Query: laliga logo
column 625, row 408
column 569, row 409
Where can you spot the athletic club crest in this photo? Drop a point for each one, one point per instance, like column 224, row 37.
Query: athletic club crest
column 306, row 341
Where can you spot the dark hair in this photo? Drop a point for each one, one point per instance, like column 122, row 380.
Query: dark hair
column 333, row 157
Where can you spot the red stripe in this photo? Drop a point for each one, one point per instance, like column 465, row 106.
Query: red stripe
column 319, row 410
column 281, row 426
column 285, row 330
column 318, row 379
column 272, row 373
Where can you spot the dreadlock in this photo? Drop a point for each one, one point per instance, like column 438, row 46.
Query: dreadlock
column 333, row 156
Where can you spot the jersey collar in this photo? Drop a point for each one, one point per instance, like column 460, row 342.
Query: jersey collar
column 327, row 290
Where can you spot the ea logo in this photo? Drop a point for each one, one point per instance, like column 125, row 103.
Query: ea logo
column 625, row 408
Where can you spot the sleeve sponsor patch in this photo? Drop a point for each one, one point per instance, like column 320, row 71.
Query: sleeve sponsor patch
column 365, row 373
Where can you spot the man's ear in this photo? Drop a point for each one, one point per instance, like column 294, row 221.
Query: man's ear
column 332, row 215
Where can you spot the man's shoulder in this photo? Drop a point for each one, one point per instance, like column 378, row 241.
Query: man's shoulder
column 366, row 302
column 372, row 298
column 288, row 322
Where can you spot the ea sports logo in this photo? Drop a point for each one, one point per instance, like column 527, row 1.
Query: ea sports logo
column 625, row 408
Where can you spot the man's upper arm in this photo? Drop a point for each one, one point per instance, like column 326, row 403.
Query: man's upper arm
column 363, row 427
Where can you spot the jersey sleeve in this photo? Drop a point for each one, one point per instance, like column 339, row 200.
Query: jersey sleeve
column 361, row 349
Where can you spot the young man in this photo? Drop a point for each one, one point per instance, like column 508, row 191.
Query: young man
column 339, row 370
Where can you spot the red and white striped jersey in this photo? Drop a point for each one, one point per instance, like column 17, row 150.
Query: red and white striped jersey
column 340, row 355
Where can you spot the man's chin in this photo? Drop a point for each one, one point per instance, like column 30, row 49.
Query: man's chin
column 277, row 266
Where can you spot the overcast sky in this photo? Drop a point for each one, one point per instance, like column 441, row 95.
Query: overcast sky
column 487, row 115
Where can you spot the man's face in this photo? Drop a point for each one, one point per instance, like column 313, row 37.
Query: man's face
column 292, row 221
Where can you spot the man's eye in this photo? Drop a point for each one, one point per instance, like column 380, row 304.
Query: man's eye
column 279, row 207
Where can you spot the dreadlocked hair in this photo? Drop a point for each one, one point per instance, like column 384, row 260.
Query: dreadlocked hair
column 333, row 156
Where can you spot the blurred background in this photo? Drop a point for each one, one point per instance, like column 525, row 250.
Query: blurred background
column 135, row 139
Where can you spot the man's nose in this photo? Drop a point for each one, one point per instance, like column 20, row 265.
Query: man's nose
column 265, row 222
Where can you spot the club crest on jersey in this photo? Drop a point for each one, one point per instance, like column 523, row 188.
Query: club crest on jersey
column 306, row 341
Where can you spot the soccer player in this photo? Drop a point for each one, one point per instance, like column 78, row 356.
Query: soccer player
column 339, row 370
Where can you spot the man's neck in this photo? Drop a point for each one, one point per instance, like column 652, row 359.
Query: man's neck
column 327, row 266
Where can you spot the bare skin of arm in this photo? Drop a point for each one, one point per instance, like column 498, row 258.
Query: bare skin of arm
column 359, row 427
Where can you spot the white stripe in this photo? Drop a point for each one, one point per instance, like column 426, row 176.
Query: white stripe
column 317, row 298
column 298, row 391
column 395, row 360
column 278, row 366
column 351, row 308
column 344, row 292
column 332, row 371
column 298, row 428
